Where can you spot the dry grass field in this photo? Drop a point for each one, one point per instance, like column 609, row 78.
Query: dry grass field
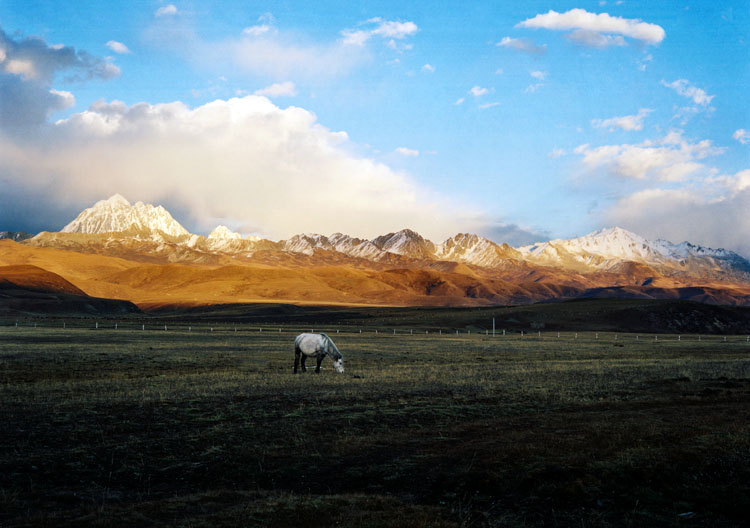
column 131, row 427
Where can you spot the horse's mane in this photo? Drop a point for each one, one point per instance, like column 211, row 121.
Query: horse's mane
column 330, row 343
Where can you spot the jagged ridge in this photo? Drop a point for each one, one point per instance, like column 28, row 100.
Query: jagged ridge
column 607, row 250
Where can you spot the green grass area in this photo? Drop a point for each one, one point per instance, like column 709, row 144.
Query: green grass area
column 133, row 427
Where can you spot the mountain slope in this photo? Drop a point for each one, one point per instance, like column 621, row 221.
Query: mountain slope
column 31, row 289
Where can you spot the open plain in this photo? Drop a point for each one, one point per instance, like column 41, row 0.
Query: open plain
column 204, row 424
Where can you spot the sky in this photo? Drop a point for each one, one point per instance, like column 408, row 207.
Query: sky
column 519, row 121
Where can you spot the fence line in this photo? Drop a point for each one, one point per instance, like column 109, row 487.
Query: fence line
column 385, row 331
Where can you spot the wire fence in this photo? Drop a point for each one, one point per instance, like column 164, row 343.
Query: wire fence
column 220, row 328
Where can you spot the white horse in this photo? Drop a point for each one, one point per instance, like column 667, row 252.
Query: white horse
column 318, row 345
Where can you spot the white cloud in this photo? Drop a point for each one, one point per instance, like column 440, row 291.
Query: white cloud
column 407, row 152
column 428, row 68
column 66, row 98
column 459, row 101
column 742, row 135
column 524, row 45
column 284, row 89
column 117, row 47
column 592, row 39
column 478, row 91
column 276, row 170
column 387, row 29
column 256, row 31
column 488, row 105
column 540, row 75
column 671, row 158
column 685, row 89
column 167, row 10
column 628, row 122
column 396, row 30
column 598, row 30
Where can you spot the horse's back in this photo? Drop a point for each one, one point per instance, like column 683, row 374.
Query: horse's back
column 309, row 344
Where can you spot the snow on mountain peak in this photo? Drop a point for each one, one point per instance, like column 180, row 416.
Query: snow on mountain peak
column 116, row 215
column 405, row 242
column 224, row 233
column 115, row 199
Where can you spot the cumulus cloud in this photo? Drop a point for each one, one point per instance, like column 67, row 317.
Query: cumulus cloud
column 167, row 10
column 628, row 122
column 540, row 75
column 428, row 68
column 28, row 68
column 407, row 152
column 742, row 135
column 671, row 158
column 118, row 47
column 685, row 89
column 596, row 30
column 524, row 45
column 284, row 89
column 243, row 159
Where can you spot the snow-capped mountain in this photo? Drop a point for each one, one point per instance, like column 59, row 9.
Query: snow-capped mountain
column 607, row 248
column 476, row 250
column 407, row 243
column 599, row 250
column 223, row 233
column 142, row 228
column 116, row 215
column 307, row 243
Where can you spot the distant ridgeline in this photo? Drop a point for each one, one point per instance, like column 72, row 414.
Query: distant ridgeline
column 399, row 268
column 18, row 236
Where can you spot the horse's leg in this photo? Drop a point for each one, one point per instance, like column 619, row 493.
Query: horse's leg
column 296, row 359
column 304, row 357
column 320, row 360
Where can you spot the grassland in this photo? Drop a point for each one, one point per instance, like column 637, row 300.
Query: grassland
column 131, row 427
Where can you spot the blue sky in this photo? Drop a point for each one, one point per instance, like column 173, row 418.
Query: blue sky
column 517, row 120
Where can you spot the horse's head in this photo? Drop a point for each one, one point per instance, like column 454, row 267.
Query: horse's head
column 338, row 364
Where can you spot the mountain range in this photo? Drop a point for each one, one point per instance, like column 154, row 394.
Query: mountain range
column 139, row 252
